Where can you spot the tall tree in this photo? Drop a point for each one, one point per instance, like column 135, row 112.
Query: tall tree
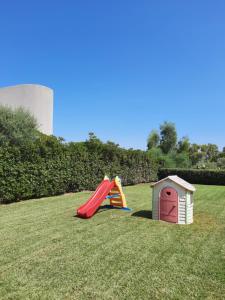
column 168, row 135
column 153, row 139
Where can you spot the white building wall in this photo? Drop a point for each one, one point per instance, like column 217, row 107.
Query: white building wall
column 37, row 99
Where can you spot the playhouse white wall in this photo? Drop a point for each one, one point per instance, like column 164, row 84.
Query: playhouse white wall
column 189, row 210
column 185, row 202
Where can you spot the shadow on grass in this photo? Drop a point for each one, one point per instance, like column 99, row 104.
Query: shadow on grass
column 143, row 214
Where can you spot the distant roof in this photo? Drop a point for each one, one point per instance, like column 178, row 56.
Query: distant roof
column 178, row 181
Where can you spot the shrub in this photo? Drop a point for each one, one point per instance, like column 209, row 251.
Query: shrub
column 17, row 126
column 201, row 176
column 47, row 167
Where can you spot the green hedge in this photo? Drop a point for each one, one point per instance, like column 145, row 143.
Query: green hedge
column 49, row 167
column 201, row 176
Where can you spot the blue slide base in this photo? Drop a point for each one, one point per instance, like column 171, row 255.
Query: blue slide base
column 114, row 207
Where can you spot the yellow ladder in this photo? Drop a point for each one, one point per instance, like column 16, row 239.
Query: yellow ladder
column 117, row 197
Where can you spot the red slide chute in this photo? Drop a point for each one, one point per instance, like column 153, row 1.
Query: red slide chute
column 88, row 209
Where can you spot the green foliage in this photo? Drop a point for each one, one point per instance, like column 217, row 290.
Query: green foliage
column 169, row 154
column 203, row 155
column 195, row 154
column 170, row 160
column 212, row 152
column 166, row 154
column 221, row 163
column 156, row 155
column 210, row 177
column 50, row 167
column 93, row 138
column 153, row 139
column 168, row 137
column 17, row 126
column 211, row 165
column 183, row 145
column 182, row 160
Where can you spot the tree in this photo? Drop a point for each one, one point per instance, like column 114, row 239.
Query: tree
column 221, row 163
column 183, row 145
column 168, row 137
column 194, row 148
column 196, row 158
column 92, row 138
column 182, row 160
column 155, row 154
column 168, row 160
column 203, row 154
column 153, row 139
column 212, row 152
column 195, row 153
column 17, row 126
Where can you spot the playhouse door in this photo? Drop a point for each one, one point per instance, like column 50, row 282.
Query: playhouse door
column 168, row 205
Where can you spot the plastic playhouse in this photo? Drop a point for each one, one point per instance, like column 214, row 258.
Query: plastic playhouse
column 107, row 189
column 172, row 200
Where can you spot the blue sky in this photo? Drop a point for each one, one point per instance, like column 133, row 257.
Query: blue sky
column 120, row 68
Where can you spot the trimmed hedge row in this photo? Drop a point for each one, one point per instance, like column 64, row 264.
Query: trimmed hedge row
column 49, row 167
column 201, row 176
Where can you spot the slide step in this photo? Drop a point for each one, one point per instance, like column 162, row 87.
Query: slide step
column 117, row 203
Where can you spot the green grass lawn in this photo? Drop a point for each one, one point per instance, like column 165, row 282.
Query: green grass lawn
column 48, row 253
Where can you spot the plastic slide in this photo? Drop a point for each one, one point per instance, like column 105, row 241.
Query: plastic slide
column 88, row 209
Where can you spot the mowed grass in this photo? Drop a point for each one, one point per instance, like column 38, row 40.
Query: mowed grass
column 48, row 253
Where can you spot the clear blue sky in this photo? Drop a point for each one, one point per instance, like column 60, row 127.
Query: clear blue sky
column 122, row 67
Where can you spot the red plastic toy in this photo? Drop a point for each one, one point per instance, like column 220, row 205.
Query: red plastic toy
column 106, row 190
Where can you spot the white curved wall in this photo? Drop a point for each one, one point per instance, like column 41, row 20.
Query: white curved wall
column 37, row 99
